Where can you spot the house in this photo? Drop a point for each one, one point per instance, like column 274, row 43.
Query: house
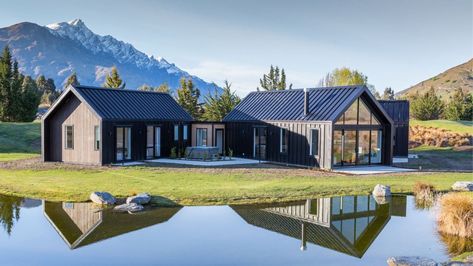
column 347, row 224
column 90, row 125
column 209, row 134
column 81, row 224
column 398, row 110
column 319, row 127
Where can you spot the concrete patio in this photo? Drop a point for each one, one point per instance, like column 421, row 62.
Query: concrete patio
column 233, row 161
column 371, row 170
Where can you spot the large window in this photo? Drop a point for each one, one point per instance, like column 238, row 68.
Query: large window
column 314, row 142
column 283, row 140
column 357, row 114
column 201, row 136
column 176, row 132
column 184, row 132
column 69, row 137
column 96, row 138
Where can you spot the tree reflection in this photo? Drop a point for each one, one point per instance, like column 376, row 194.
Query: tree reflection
column 9, row 212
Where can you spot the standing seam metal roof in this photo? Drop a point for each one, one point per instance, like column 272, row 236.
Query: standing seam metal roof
column 288, row 105
column 119, row 104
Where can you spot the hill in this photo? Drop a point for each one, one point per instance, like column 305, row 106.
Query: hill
column 445, row 83
column 57, row 50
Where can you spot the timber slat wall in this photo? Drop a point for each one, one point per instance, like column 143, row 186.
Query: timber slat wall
column 302, row 211
column 83, row 215
column 239, row 138
column 398, row 110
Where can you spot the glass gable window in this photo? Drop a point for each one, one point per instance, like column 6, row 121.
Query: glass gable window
column 69, row 137
column 351, row 114
column 201, row 136
column 283, row 140
column 357, row 114
column 364, row 114
column 96, row 138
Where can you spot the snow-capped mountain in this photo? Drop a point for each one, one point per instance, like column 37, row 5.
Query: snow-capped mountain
column 57, row 50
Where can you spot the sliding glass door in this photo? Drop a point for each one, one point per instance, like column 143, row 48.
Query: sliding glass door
column 153, row 142
column 123, row 144
column 357, row 147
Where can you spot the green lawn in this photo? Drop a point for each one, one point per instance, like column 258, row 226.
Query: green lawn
column 20, row 138
column 16, row 156
column 440, row 158
column 200, row 186
column 454, row 126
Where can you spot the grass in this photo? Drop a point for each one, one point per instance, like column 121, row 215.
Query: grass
column 463, row 256
column 440, row 158
column 16, row 156
column 454, row 126
column 20, row 138
column 202, row 187
column 456, row 215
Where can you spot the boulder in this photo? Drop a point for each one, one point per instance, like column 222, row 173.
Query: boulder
column 143, row 198
column 463, row 186
column 102, row 198
column 129, row 207
column 411, row 261
column 382, row 191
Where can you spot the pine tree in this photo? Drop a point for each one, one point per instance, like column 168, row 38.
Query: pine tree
column 113, row 80
column 427, row 106
column 29, row 100
column 72, row 80
column 188, row 98
column 460, row 106
column 217, row 106
column 388, row 94
column 5, row 82
column 274, row 80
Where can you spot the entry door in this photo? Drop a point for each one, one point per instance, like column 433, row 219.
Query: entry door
column 259, row 149
column 157, row 141
column 123, row 144
column 219, row 140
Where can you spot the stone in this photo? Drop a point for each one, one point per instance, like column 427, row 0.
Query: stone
column 129, row 207
column 382, row 191
column 411, row 261
column 142, row 198
column 103, row 198
column 381, row 200
column 463, row 186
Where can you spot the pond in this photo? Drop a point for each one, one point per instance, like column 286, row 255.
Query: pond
column 348, row 230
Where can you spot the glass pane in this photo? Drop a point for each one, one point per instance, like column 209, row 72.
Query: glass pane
column 313, row 207
column 184, row 132
column 149, row 141
column 374, row 120
column 127, row 146
column 348, row 204
column 157, row 145
column 315, row 142
column 337, row 147
column 363, row 146
column 97, row 137
column 283, row 140
column 176, row 133
column 119, row 136
column 340, row 120
column 335, row 201
column 364, row 114
column 376, row 142
column 69, row 137
column 349, row 147
column 350, row 114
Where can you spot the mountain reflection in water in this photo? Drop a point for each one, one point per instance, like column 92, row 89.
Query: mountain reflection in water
column 347, row 224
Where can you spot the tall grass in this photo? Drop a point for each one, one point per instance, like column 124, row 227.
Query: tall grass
column 424, row 195
column 456, row 215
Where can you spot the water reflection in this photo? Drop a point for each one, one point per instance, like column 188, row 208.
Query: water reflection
column 347, row 224
column 81, row 224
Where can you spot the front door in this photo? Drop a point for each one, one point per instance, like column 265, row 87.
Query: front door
column 153, row 142
column 259, row 148
column 123, row 144
column 219, row 140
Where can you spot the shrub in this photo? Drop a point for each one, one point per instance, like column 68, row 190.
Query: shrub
column 427, row 106
column 173, row 154
column 424, row 195
column 456, row 214
column 230, row 153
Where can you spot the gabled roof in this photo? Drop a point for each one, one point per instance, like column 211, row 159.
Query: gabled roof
column 129, row 105
column 325, row 104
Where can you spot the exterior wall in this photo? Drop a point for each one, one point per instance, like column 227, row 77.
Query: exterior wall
column 239, row 138
column 138, row 138
column 398, row 110
column 210, row 132
column 71, row 112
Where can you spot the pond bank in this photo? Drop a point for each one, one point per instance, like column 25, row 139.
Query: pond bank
column 200, row 186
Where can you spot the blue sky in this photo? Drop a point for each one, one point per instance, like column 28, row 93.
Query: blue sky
column 395, row 43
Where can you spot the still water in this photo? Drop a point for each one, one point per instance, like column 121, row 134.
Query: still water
column 349, row 230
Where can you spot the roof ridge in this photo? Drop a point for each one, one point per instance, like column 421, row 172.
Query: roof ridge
column 117, row 89
column 313, row 88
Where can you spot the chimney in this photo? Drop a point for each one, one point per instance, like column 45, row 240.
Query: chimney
column 306, row 101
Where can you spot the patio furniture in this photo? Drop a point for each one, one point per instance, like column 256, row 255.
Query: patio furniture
column 202, row 153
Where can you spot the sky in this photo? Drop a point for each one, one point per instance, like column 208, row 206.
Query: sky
column 394, row 43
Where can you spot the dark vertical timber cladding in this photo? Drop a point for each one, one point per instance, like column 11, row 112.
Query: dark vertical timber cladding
column 239, row 138
column 398, row 110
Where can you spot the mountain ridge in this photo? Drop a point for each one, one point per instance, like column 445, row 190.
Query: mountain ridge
column 59, row 49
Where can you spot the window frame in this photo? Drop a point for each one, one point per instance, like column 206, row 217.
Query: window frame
column 312, row 142
column 185, row 132
column 286, row 138
column 176, row 133
column 203, row 138
column 97, row 138
column 66, row 146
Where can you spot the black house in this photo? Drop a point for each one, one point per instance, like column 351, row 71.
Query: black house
column 319, row 127
column 398, row 110
column 90, row 125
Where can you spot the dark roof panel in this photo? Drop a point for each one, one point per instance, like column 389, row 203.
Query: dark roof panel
column 119, row 104
column 288, row 105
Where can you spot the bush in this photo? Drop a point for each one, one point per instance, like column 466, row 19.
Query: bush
column 456, row 215
column 173, row 154
column 424, row 195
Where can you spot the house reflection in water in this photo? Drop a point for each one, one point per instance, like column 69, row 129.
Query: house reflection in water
column 81, row 224
column 347, row 224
